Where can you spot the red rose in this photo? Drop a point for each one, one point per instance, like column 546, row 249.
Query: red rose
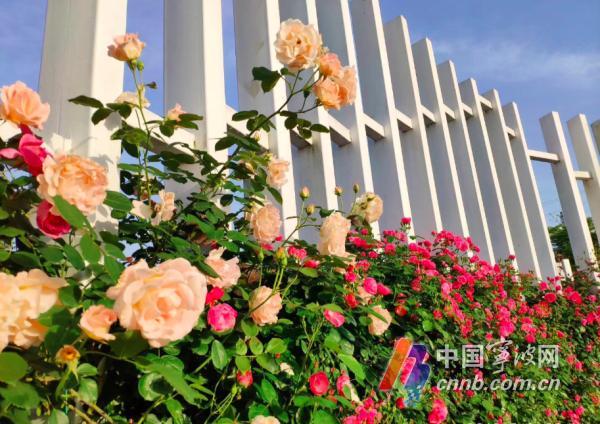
column 319, row 383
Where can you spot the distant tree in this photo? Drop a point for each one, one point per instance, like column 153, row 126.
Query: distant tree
column 560, row 240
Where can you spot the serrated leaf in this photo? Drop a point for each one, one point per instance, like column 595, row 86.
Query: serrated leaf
column 70, row 213
column 12, row 367
column 218, row 355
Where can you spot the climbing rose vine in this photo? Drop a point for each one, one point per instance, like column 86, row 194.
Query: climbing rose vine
column 134, row 305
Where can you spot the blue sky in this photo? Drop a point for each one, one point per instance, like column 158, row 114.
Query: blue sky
column 543, row 54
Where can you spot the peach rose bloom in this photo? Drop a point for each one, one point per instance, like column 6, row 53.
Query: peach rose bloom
column 377, row 326
column 265, row 222
column 329, row 64
column 277, row 172
column 297, row 45
column 363, row 295
column 338, row 90
column 131, row 98
column 228, row 270
column 9, row 312
column 96, row 322
column 126, row 47
column 261, row 419
column 333, row 234
column 173, row 114
column 80, row 181
column 163, row 302
column 21, row 105
column 369, row 206
column 162, row 210
column 264, row 311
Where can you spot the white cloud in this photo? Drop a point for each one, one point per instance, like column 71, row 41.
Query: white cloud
column 515, row 61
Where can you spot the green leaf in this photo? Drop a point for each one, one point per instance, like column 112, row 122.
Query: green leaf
column 427, row 325
column 86, row 101
column 176, row 410
column 242, row 363
column 26, row 260
column 128, row 344
column 243, row 115
column 175, row 378
column 11, row 231
column 225, row 143
column 58, row 417
column 86, row 370
column 90, row 250
column 74, row 257
column 319, row 128
column 267, row 78
column 323, row 417
column 218, row 355
column 52, row 254
column 151, row 386
column 249, row 328
column 113, row 267
column 353, row 365
column 267, row 362
column 309, row 272
column 276, row 194
column 276, row 345
column 70, row 213
column 12, row 367
column 21, row 395
column 269, row 394
column 100, row 115
column 118, row 201
column 88, row 390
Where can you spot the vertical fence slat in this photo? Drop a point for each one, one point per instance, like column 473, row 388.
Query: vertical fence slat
column 256, row 26
column 510, row 186
column 465, row 163
column 313, row 165
column 568, row 192
column 486, row 172
column 587, row 158
column 531, row 196
column 76, row 37
column 438, row 137
column 387, row 162
column 194, row 71
column 596, row 130
column 419, row 173
column 352, row 163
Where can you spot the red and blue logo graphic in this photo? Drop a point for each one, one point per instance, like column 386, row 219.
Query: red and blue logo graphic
column 407, row 364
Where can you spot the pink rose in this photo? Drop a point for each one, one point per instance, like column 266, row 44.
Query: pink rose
column 245, row 379
column 344, row 381
column 370, row 285
column 438, row 413
column 335, row 318
column 163, row 302
column 126, row 47
column 96, row 322
column 550, row 297
column 378, row 326
column 221, row 317
column 319, row 383
column 277, row 172
column 80, row 181
column 264, row 306
column 173, row 114
column 214, row 295
column 228, row 270
column 333, row 234
column 297, row 45
column 23, row 106
column 51, row 225
column 329, row 64
column 266, row 223
column 30, row 151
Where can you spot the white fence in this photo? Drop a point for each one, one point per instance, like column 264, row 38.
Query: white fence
column 434, row 148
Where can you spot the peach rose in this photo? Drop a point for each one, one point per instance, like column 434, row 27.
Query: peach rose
column 333, row 234
column 173, row 114
column 277, row 172
column 378, row 326
column 228, row 270
column 162, row 210
column 132, row 99
column 369, row 206
column 163, row 302
column 264, row 307
column 96, row 322
column 266, row 223
column 126, row 47
column 261, row 419
column 329, row 64
column 337, row 91
column 23, row 106
column 80, row 181
column 297, row 45
column 9, row 312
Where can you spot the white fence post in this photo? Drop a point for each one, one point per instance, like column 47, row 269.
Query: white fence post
column 486, row 171
column 587, row 158
column 465, row 163
column 415, row 149
column 568, row 192
column 438, row 136
column 387, row 163
column 510, row 186
column 194, row 71
column 313, row 163
column 352, row 164
column 256, row 26
column 531, row 196
column 75, row 62
column 596, row 130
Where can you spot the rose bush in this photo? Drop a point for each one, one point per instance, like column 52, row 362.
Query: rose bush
column 121, row 326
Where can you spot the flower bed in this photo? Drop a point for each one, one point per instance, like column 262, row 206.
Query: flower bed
column 199, row 310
